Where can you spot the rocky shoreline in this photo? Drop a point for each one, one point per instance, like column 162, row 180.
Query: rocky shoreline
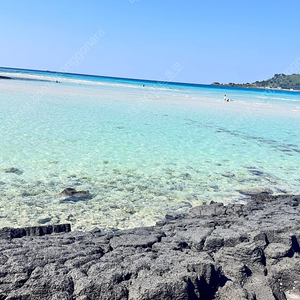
column 214, row 252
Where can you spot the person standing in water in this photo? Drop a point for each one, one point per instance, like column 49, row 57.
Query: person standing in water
column 224, row 97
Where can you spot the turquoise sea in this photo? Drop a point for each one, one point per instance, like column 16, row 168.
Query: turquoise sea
column 141, row 151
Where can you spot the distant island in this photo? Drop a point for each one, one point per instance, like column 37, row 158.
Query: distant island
column 278, row 81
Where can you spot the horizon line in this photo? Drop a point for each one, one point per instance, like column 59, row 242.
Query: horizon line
column 114, row 77
column 220, row 85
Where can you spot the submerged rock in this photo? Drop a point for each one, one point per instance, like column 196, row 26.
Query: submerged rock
column 13, row 170
column 70, row 194
column 44, row 221
column 255, row 191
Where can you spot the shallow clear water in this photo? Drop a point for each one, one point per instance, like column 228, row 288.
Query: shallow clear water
column 142, row 152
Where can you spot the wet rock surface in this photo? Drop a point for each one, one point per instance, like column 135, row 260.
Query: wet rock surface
column 214, row 252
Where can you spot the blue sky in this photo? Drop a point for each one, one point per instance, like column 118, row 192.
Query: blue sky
column 225, row 41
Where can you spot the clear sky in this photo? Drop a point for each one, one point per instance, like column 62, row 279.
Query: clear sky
column 225, row 41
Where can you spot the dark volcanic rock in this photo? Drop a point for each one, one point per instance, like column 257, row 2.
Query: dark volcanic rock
column 11, row 233
column 215, row 252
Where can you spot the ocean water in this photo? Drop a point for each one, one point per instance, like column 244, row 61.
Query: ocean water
column 141, row 152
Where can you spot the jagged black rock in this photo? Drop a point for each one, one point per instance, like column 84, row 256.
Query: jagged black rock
column 215, row 252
